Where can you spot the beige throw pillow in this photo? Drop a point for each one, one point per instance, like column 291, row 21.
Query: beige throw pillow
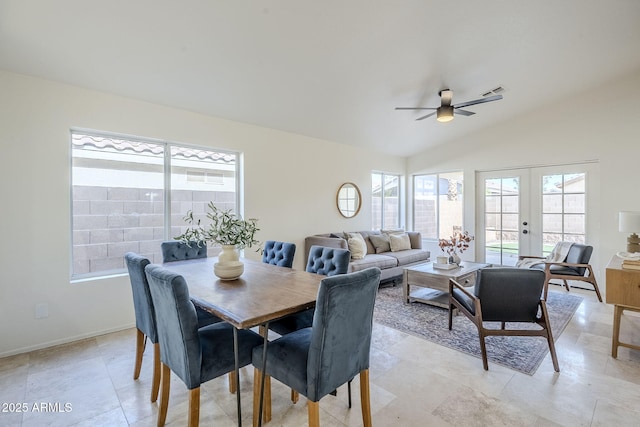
column 399, row 242
column 380, row 242
column 357, row 245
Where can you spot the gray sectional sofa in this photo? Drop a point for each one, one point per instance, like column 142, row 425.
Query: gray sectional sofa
column 390, row 263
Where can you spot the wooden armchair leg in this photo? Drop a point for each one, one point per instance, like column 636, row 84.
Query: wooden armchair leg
column 295, row 396
column 155, row 385
column 140, row 344
column 164, row 395
column 194, row 407
column 314, row 413
column 483, row 350
column 365, row 398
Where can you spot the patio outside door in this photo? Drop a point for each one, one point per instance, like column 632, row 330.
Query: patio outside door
column 503, row 216
column 527, row 211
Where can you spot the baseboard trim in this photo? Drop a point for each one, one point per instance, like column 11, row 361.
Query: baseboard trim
column 65, row 340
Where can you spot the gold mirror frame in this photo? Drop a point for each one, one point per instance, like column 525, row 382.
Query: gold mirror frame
column 348, row 200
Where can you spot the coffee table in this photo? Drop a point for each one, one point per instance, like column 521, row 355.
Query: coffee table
column 433, row 283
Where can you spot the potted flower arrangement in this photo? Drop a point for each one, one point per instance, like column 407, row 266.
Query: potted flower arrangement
column 226, row 229
column 458, row 243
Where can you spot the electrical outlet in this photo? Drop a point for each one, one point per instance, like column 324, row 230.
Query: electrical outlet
column 42, row 310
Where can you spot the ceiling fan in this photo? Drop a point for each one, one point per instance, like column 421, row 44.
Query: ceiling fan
column 444, row 113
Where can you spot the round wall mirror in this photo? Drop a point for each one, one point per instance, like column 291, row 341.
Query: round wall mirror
column 349, row 200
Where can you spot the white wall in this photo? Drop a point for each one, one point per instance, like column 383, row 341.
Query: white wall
column 601, row 125
column 290, row 185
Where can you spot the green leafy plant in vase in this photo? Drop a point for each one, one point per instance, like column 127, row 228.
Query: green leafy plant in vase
column 226, row 229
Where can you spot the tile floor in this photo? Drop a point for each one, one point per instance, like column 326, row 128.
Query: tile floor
column 413, row 383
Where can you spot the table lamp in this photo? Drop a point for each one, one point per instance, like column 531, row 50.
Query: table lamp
column 630, row 223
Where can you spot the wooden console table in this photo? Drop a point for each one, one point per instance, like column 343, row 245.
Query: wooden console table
column 623, row 291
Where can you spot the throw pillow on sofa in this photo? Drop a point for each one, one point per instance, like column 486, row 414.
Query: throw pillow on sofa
column 399, row 242
column 380, row 242
column 357, row 245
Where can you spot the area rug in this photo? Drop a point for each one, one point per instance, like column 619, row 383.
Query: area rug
column 523, row 354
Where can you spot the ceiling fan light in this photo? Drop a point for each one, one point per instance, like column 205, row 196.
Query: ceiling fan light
column 444, row 113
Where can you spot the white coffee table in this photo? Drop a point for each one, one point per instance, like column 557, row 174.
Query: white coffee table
column 433, row 283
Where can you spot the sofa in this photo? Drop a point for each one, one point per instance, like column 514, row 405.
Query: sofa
column 390, row 259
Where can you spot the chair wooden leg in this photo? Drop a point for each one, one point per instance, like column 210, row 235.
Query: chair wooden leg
column 155, row 384
column 295, row 396
column 547, row 326
column 365, row 398
column 266, row 403
column 314, row 413
column 232, row 382
column 483, row 349
column 140, row 341
column 194, row 407
column 566, row 285
column 164, row 395
column 594, row 283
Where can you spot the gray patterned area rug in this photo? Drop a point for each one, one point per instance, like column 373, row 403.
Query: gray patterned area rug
column 523, row 354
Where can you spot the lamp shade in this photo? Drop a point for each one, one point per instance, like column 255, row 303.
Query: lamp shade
column 629, row 221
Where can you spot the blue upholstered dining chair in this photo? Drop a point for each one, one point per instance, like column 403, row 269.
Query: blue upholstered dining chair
column 146, row 319
column 179, row 251
column 322, row 260
column 278, row 253
column 195, row 355
column 315, row 361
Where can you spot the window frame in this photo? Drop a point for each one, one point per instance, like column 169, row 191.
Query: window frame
column 400, row 196
column 438, row 194
column 167, row 189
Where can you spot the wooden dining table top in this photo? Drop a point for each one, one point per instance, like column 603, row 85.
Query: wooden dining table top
column 263, row 293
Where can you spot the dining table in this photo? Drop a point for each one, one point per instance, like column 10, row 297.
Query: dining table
column 263, row 293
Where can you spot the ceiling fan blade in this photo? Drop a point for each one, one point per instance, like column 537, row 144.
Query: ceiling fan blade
column 424, row 117
column 463, row 112
column 478, row 101
column 416, row 108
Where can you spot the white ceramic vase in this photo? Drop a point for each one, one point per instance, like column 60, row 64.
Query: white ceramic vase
column 229, row 266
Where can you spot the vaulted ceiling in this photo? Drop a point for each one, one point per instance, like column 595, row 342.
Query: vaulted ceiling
column 331, row 69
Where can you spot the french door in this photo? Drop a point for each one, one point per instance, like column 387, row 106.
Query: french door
column 527, row 211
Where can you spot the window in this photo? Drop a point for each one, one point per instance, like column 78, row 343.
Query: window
column 385, row 201
column 437, row 204
column 130, row 194
column 563, row 209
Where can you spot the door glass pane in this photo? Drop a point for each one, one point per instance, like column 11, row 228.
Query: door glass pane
column 574, row 224
column 552, row 203
column 574, row 203
column 502, row 204
column 552, row 223
column 564, row 208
